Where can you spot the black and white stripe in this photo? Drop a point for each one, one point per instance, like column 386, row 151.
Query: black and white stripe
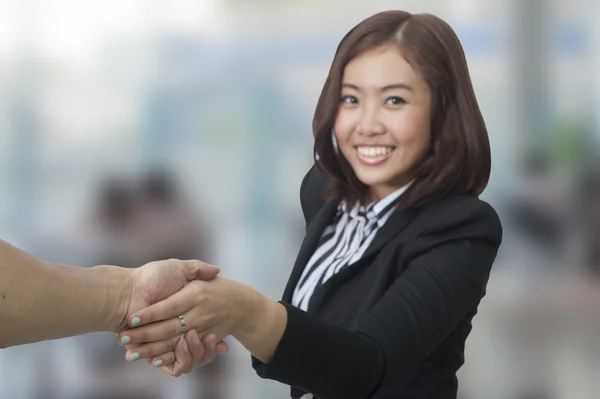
column 343, row 243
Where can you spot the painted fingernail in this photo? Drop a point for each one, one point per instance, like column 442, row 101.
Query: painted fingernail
column 125, row 340
column 158, row 363
column 135, row 321
column 134, row 356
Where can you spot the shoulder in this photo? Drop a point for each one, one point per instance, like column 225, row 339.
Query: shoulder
column 313, row 190
column 461, row 217
column 314, row 181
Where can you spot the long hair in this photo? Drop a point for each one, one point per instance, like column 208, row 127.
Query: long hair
column 459, row 160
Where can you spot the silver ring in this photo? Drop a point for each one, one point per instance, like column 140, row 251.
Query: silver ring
column 183, row 325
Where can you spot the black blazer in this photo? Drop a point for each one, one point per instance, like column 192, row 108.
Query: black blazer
column 393, row 324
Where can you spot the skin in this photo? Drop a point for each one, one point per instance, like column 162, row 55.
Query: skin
column 41, row 300
column 385, row 103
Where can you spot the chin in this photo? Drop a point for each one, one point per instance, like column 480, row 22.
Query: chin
column 372, row 178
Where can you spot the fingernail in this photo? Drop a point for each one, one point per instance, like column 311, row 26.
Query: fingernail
column 185, row 346
column 134, row 356
column 158, row 363
column 135, row 321
column 125, row 340
column 213, row 344
column 195, row 339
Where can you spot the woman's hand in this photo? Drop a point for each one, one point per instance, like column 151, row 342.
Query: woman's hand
column 214, row 309
column 190, row 351
column 158, row 280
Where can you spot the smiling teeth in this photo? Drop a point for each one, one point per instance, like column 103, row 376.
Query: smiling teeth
column 374, row 151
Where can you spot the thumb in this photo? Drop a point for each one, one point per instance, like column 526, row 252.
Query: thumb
column 198, row 270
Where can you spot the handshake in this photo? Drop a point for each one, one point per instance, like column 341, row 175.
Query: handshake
column 176, row 314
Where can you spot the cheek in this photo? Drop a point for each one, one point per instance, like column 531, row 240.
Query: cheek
column 414, row 132
column 343, row 129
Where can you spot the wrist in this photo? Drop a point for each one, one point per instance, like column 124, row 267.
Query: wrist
column 118, row 283
column 254, row 312
column 262, row 327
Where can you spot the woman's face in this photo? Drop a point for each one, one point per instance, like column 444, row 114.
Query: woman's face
column 383, row 123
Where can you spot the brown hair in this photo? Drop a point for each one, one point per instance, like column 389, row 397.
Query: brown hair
column 459, row 160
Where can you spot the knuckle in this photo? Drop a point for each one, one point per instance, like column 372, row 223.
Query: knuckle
column 173, row 308
column 149, row 316
column 140, row 337
column 200, row 292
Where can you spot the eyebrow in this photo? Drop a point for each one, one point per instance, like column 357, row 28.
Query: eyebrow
column 384, row 88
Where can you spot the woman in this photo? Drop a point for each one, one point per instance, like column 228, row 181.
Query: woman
column 397, row 254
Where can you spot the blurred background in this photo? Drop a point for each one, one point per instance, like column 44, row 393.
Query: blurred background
column 133, row 130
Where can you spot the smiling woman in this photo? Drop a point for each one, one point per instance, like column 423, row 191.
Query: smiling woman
column 407, row 77
column 396, row 257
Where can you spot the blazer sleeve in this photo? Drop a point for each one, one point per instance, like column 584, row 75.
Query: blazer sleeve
column 445, row 278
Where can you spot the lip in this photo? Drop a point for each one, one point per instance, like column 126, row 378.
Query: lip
column 374, row 145
column 373, row 161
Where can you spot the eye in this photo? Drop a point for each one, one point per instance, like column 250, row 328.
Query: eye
column 349, row 100
column 395, row 100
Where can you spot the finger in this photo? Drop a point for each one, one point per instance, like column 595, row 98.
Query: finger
column 196, row 348
column 183, row 360
column 150, row 350
column 210, row 345
column 164, row 360
column 210, row 341
column 198, row 270
column 154, row 332
column 222, row 348
column 168, row 308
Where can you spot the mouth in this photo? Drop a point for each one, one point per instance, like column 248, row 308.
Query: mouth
column 374, row 155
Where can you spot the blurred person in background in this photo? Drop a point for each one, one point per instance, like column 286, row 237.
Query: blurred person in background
column 398, row 247
column 133, row 222
column 116, row 225
column 167, row 220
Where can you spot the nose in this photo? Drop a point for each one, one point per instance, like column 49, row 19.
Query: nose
column 370, row 123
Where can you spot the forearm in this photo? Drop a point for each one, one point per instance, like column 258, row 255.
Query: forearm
column 41, row 300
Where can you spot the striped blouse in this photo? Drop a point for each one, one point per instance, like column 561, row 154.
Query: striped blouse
column 343, row 242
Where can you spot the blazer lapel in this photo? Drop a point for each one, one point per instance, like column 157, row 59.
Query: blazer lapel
column 314, row 230
column 397, row 222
